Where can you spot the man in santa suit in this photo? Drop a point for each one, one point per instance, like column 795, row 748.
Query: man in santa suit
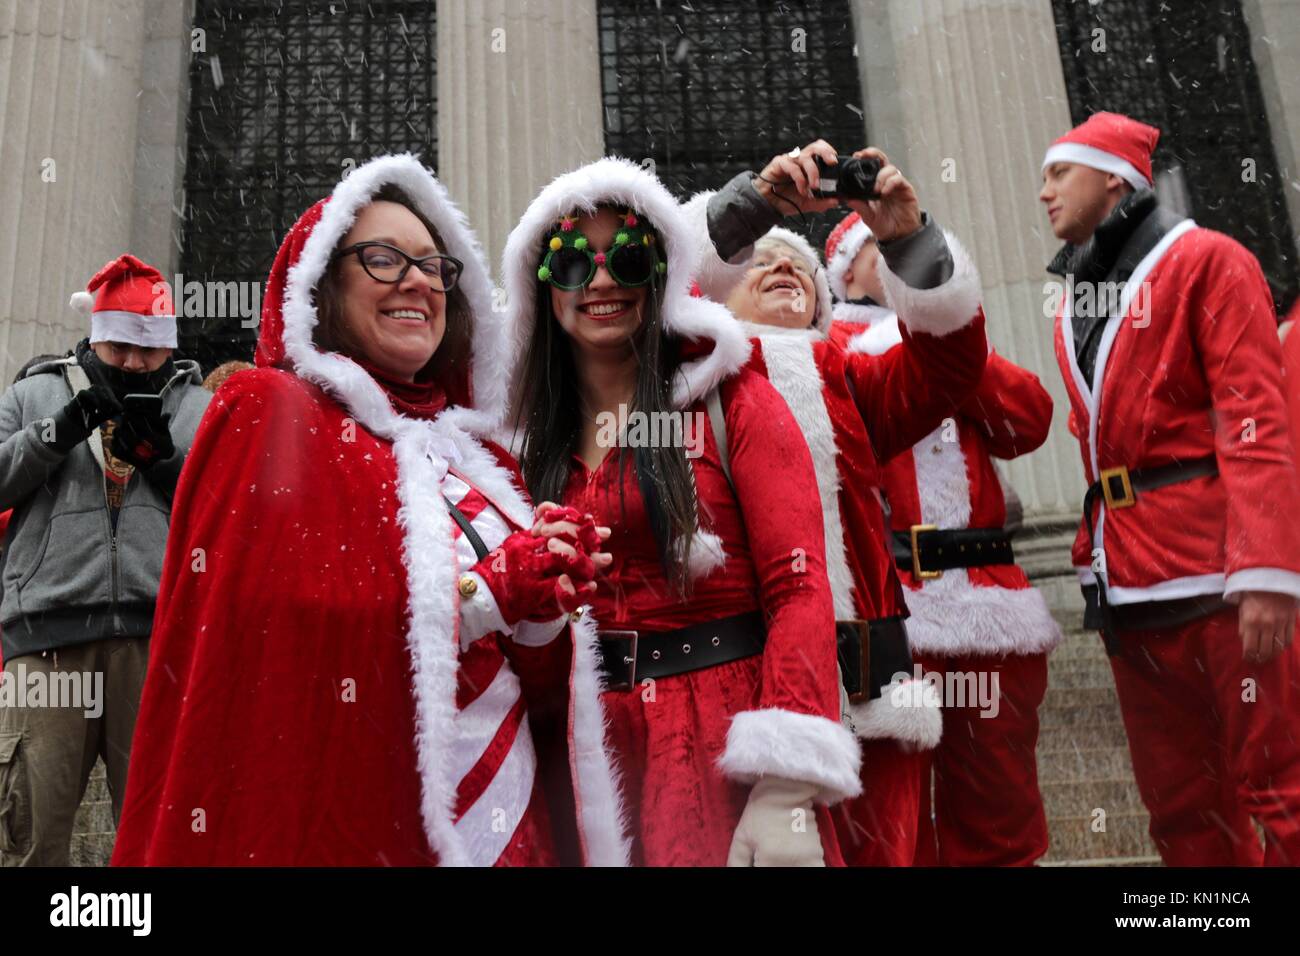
column 976, row 623
column 1188, row 550
column 853, row 411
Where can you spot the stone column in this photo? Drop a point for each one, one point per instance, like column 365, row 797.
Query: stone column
column 160, row 141
column 1275, row 45
column 69, row 75
column 965, row 95
column 519, row 101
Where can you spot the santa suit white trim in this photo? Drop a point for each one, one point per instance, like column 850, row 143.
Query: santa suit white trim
column 952, row 616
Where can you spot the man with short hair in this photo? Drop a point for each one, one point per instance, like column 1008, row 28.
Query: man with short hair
column 91, row 447
column 1188, row 552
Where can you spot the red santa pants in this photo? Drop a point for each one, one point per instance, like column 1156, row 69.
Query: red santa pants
column 987, row 808
column 879, row 827
column 1215, row 741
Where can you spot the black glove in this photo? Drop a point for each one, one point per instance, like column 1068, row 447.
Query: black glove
column 75, row 421
column 143, row 438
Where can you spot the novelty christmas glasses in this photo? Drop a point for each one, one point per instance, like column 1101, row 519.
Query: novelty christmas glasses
column 633, row 259
column 385, row 263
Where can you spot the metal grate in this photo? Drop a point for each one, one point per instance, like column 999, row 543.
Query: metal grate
column 707, row 88
column 287, row 94
column 1187, row 68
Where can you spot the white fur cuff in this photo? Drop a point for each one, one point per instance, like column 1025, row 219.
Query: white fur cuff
column 784, row 743
column 943, row 309
column 908, row 711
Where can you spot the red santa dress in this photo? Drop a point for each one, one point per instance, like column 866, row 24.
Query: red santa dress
column 321, row 691
column 688, row 746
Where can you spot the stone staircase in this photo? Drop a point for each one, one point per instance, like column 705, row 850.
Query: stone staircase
column 92, row 836
column 1094, row 813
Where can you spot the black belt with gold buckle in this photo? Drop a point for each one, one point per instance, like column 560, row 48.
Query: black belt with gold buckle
column 928, row 551
column 629, row 657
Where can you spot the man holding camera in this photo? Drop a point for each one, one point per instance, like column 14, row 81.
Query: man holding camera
column 1188, row 551
column 91, row 448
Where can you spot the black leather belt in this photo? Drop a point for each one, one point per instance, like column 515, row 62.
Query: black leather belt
column 1118, row 487
column 629, row 657
column 928, row 551
column 870, row 654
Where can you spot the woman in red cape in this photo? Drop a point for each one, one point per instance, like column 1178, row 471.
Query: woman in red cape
column 338, row 676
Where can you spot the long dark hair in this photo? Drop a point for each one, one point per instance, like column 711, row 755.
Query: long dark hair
column 449, row 365
column 550, row 417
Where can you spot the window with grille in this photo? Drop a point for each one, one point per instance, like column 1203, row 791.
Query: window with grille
column 285, row 97
column 1187, row 68
column 708, row 88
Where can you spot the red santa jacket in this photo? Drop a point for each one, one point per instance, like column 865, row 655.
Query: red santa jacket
column 1291, row 379
column 320, row 691
column 949, row 479
column 1190, row 368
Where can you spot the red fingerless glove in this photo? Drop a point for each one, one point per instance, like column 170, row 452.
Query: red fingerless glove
column 524, row 577
column 588, row 539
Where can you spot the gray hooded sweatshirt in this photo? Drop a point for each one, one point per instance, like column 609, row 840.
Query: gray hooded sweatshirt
column 68, row 576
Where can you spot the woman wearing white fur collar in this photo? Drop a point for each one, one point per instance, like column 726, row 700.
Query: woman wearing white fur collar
column 716, row 613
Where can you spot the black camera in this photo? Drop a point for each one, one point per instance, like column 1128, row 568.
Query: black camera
column 848, row 178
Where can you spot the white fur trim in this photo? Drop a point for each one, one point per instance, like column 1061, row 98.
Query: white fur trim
column 1096, row 158
column 822, row 313
column 837, row 267
column 82, row 302
column 882, row 333
column 146, row 331
column 707, row 554
column 715, row 277
column 348, row 381
column 623, row 183
column 785, row 743
column 600, row 808
column 943, row 309
column 909, row 711
column 792, row 370
column 953, row 617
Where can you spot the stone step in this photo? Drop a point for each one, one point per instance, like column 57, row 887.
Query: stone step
column 1086, row 717
column 1079, row 672
column 1075, row 798
column 1107, row 861
column 1072, row 838
column 1063, row 735
column 1084, row 646
column 1073, row 698
column 91, row 849
column 1084, row 763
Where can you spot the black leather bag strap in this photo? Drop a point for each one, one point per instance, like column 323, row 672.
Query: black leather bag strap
column 467, row 529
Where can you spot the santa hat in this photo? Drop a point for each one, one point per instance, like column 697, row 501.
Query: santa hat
column 822, row 314
column 842, row 247
column 131, row 302
column 1111, row 143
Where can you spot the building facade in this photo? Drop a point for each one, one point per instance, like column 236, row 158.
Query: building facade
column 192, row 132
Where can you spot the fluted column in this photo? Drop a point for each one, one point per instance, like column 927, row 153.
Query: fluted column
column 69, row 74
column 1275, row 45
column 518, row 103
column 967, row 94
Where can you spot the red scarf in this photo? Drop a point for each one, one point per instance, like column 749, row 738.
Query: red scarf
column 419, row 399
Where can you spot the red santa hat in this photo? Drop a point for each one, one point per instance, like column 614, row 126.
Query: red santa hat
column 129, row 301
column 1111, row 143
column 842, row 247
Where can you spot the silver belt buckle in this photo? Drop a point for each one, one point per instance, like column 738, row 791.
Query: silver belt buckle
column 623, row 675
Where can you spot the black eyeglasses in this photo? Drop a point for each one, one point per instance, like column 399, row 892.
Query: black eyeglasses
column 385, row 263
